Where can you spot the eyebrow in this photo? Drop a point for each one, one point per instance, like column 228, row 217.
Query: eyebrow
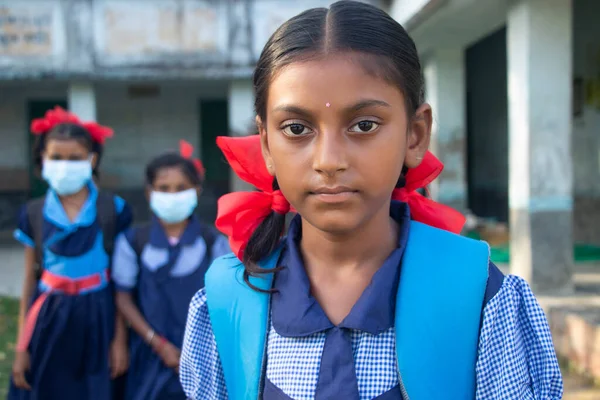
column 353, row 108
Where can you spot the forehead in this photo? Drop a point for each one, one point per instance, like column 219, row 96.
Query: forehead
column 65, row 146
column 339, row 80
column 170, row 173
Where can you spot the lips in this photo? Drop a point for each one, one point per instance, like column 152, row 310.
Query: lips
column 332, row 190
column 333, row 194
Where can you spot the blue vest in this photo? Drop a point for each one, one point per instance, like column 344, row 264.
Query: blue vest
column 438, row 312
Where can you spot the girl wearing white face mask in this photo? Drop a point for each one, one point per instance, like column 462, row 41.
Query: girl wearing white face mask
column 71, row 341
column 158, row 268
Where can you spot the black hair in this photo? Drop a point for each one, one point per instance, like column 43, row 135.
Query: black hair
column 64, row 132
column 170, row 160
column 383, row 48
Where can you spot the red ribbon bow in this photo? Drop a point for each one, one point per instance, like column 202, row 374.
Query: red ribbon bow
column 57, row 116
column 240, row 213
column 423, row 209
column 186, row 150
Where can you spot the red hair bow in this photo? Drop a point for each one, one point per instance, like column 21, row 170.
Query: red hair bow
column 57, row 116
column 240, row 213
column 186, row 150
column 423, row 209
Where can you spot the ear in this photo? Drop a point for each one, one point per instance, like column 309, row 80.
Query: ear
column 198, row 190
column 148, row 191
column 94, row 160
column 264, row 144
column 418, row 137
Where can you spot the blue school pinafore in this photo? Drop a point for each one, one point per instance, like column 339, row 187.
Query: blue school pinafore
column 69, row 347
column 163, row 277
column 429, row 325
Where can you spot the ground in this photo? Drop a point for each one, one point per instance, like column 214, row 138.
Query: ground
column 9, row 311
column 576, row 388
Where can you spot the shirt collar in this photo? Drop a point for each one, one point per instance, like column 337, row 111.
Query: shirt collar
column 56, row 214
column 296, row 313
column 158, row 236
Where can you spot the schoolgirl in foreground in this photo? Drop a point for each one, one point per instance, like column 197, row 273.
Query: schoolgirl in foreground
column 360, row 301
column 158, row 267
column 71, row 340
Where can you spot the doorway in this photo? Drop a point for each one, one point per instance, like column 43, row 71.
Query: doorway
column 487, row 127
column 214, row 121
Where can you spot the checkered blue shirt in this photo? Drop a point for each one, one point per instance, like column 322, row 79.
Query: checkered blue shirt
column 516, row 358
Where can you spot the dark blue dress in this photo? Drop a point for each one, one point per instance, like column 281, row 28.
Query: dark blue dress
column 163, row 278
column 69, row 348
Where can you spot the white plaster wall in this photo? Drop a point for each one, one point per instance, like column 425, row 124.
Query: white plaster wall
column 146, row 127
column 403, row 10
column 34, row 17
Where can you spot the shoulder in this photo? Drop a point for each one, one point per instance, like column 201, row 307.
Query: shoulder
column 512, row 307
column 512, row 291
column 30, row 219
column 223, row 269
column 120, row 204
column 460, row 248
column 34, row 206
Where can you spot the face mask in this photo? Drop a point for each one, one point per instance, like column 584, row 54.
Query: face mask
column 67, row 177
column 174, row 207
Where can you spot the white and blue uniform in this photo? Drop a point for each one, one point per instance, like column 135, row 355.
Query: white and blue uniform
column 516, row 358
column 163, row 275
column 69, row 348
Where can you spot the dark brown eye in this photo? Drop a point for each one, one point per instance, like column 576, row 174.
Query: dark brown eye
column 364, row 127
column 295, row 130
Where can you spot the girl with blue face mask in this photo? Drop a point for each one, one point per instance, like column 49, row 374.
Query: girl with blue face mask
column 157, row 268
column 71, row 341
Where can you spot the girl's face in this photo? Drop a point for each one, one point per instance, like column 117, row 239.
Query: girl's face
column 68, row 150
column 171, row 180
column 336, row 138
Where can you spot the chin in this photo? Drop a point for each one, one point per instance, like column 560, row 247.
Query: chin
column 335, row 222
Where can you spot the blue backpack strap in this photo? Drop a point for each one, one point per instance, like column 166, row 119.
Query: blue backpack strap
column 239, row 316
column 438, row 312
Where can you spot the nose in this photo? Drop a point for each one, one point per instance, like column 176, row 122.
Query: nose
column 330, row 153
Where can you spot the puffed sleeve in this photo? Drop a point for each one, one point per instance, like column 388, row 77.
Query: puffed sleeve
column 200, row 370
column 24, row 231
column 516, row 355
column 125, row 263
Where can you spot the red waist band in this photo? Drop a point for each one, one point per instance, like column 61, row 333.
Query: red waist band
column 56, row 283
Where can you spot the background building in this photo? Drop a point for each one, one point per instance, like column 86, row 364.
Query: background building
column 156, row 71
column 515, row 86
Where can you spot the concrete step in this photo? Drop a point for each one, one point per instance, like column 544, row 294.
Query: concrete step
column 575, row 326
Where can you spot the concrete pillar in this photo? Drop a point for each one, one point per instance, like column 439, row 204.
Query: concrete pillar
column 82, row 100
column 445, row 90
column 241, row 119
column 540, row 161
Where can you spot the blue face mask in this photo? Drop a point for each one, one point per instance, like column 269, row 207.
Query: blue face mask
column 174, row 207
column 67, row 177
